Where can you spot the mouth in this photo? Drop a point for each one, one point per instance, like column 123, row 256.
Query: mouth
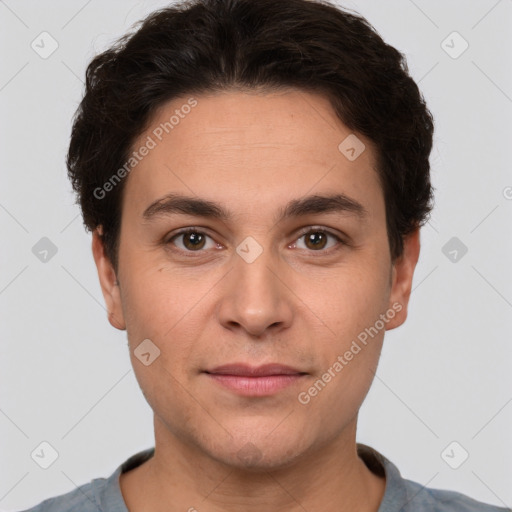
column 249, row 380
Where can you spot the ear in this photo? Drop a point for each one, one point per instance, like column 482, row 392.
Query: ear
column 401, row 279
column 108, row 282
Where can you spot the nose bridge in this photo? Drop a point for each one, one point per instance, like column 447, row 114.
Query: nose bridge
column 253, row 269
column 255, row 298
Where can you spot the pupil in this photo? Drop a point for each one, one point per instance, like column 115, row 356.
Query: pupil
column 318, row 237
column 194, row 239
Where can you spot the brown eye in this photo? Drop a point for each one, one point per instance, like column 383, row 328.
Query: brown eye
column 191, row 241
column 317, row 240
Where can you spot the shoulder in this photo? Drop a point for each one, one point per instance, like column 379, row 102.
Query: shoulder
column 422, row 498
column 81, row 499
column 402, row 495
column 98, row 495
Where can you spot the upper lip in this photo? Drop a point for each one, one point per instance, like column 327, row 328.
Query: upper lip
column 245, row 370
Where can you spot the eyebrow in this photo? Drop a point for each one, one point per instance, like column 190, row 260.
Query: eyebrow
column 314, row 204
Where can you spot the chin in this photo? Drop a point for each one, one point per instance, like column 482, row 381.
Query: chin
column 259, row 452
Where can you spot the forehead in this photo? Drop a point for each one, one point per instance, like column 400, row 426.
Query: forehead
column 236, row 147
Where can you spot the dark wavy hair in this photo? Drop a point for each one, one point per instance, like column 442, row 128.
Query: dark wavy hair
column 217, row 45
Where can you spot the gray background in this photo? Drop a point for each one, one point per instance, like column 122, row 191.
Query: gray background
column 444, row 376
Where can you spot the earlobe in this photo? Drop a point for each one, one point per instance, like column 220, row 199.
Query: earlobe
column 402, row 276
column 115, row 322
column 108, row 282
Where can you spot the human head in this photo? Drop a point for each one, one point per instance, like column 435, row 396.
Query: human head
column 254, row 140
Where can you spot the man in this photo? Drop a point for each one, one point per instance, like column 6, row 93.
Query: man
column 255, row 175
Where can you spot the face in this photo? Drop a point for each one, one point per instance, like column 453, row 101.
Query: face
column 285, row 263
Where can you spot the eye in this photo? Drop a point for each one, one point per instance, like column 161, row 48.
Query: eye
column 316, row 239
column 192, row 240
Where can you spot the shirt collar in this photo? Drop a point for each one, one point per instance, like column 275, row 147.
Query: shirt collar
column 395, row 494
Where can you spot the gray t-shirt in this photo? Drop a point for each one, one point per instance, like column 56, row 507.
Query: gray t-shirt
column 401, row 495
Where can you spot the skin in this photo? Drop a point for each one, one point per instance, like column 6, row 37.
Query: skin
column 295, row 304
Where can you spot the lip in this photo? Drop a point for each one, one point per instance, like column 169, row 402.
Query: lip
column 246, row 370
column 249, row 380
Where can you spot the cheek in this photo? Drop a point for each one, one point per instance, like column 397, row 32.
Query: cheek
column 157, row 300
column 345, row 377
column 349, row 306
column 166, row 393
column 346, row 300
column 170, row 309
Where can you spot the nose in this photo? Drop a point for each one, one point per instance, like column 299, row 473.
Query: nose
column 255, row 296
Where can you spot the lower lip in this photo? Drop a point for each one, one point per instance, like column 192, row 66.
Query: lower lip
column 256, row 386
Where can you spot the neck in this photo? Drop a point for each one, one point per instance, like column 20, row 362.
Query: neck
column 332, row 478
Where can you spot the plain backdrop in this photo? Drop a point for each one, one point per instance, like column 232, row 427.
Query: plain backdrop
column 444, row 376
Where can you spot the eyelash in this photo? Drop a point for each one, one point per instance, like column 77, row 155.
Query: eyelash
column 313, row 229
